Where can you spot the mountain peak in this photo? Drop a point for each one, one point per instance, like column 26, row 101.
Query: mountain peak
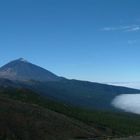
column 23, row 70
column 22, row 60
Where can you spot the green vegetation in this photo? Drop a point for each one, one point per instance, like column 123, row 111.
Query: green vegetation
column 116, row 124
column 20, row 120
column 81, row 93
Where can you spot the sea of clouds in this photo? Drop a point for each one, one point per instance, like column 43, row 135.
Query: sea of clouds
column 127, row 102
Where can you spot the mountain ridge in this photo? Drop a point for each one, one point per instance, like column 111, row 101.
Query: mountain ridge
column 85, row 94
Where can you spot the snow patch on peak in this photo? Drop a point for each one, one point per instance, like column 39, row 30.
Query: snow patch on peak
column 22, row 59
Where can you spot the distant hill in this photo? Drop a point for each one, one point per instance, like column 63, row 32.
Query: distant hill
column 81, row 93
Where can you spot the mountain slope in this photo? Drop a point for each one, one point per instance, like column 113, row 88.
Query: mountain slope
column 24, row 120
column 81, row 93
column 21, row 69
column 26, row 103
column 20, row 73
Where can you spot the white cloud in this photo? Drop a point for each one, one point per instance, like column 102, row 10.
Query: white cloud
column 127, row 102
column 130, row 28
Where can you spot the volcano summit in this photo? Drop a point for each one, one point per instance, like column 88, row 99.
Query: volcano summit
column 23, row 70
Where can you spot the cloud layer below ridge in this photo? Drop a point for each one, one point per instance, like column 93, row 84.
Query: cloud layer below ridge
column 128, row 102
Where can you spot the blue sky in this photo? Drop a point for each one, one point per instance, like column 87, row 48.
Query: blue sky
column 95, row 40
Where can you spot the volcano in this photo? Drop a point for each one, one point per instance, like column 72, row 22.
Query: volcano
column 23, row 70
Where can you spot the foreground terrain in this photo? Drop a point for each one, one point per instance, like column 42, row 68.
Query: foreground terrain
column 24, row 115
column 22, row 120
